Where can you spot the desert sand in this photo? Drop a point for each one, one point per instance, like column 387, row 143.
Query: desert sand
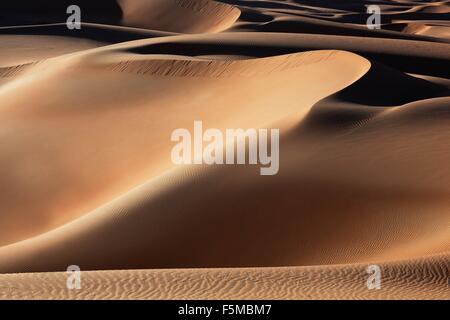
column 87, row 179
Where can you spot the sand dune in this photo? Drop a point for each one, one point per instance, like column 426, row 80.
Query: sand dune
column 87, row 178
column 187, row 16
column 422, row 278
column 109, row 121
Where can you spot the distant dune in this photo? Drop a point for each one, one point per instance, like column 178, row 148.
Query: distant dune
column 87, row 178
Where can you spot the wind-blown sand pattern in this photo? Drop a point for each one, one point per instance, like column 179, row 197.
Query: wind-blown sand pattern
column 87, row 179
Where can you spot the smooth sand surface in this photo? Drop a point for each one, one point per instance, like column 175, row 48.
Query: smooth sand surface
column 87, row 179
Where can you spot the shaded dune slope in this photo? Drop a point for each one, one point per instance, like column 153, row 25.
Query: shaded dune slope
column 381, row 89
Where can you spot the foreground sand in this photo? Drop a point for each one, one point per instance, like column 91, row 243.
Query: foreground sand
column 87, row 179
column 416, row 279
